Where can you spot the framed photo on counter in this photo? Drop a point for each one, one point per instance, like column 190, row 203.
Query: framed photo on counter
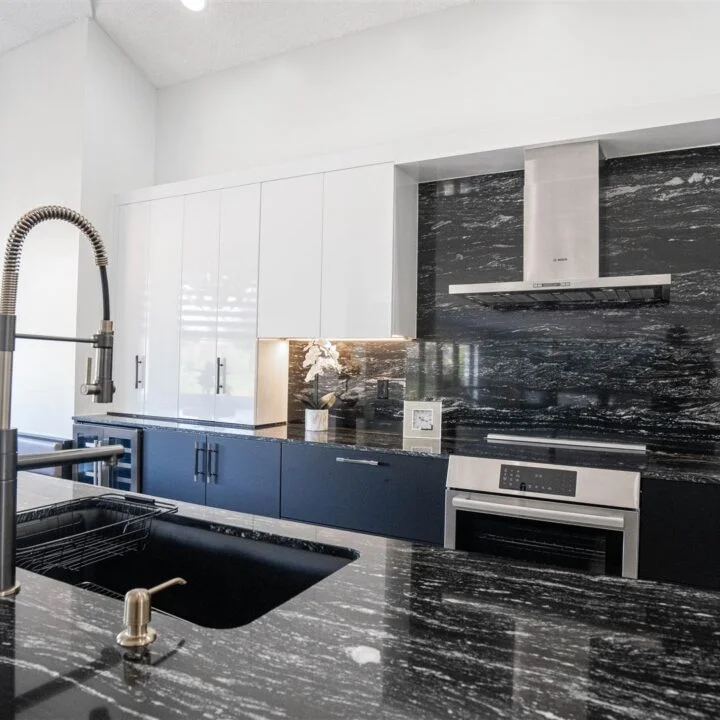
column 422, row 419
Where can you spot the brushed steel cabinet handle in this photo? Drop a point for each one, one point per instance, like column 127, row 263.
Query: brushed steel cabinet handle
column 139, row 376
column 219, row 373
column 200, row 470
column 353, row 461
column 213, row 462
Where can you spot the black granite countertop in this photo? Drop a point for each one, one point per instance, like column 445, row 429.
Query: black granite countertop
column 460, row 440
column 405, row 632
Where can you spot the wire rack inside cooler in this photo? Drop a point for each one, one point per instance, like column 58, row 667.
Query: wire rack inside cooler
column 74, row 534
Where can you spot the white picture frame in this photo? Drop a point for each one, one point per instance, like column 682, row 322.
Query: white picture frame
column 422, row 419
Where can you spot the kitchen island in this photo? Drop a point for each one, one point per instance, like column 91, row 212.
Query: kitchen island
column 406, row 631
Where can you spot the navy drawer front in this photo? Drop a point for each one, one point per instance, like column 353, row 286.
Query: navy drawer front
column 386, row 494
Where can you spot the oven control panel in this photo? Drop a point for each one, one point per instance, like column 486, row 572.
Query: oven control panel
column 538, row 480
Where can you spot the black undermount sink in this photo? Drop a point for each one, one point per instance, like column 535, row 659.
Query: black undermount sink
column 234, row 576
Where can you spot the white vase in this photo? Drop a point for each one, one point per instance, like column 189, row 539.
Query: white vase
column 316, row 420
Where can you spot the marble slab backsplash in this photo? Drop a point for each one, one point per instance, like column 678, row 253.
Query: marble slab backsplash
column 641, row 373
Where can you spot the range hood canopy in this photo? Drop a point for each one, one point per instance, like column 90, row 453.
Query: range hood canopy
column 561, row 239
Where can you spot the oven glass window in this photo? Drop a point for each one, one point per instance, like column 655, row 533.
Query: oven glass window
column 591, row 550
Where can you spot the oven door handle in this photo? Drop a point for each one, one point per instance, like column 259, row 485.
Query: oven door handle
column 609, row 521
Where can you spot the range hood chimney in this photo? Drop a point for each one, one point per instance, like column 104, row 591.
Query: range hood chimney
column 561, row 240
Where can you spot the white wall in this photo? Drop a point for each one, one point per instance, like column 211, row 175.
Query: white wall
column 500, row 68
column 77, row 123
column 41, row 99
column 118, row 154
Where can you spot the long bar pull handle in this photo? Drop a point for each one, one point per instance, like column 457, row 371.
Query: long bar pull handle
column 97, row 465
column 139, row 374
column 88, row 371
column 199, row 469
column 219, row 375
column 610, row 521
column 563, row 443
column 353, row 461
column 213, row 458
column 104, row 467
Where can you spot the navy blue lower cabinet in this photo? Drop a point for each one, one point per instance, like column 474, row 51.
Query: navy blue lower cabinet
column 169, row 464
column 415, row 497
column 680, row 532
column 223, row 472
column 243, row 475
column 382, row 493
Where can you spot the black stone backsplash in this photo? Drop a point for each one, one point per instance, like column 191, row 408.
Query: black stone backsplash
column 645, row 373
column 364, row 364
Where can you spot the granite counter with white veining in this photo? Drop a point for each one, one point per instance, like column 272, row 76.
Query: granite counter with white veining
column 460, row 440
column 406, row 631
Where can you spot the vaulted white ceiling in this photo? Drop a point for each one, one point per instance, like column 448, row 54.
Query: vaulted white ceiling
column 171, row 44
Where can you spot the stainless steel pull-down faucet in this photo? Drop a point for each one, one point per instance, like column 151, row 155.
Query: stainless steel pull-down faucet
column 101, row 389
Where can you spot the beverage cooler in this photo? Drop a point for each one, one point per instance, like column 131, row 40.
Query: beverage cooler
column 125, row 475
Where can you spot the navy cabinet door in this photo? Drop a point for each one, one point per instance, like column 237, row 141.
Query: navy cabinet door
column 169, row 465
column 244, row 475
column 680, row 532
column 381, row 493
column 415, row 497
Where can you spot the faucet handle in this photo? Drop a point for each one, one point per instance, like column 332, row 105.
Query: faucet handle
column 89, row 387
column 102, row 387
column 137, row 612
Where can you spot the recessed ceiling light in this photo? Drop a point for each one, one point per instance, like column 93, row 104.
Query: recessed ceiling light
column 195, row 5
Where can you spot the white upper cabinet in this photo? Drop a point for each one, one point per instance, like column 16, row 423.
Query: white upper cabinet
column 187, row 311
column 357, row 256
column 289, row 283
column 218, row 335
column 160, row 370
column 130, row 311
column 339, row 261
column 199, row 302
column 237, row 305
column 147, row 309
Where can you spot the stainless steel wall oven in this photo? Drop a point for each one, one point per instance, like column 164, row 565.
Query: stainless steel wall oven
column 578, row 518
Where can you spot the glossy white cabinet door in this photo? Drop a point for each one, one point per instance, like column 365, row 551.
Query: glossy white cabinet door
column 198, row 313
column 130, row 311
column 237, row 304
column 357, row 261
column 290, row 258
column 163, row 342
column 405, row 263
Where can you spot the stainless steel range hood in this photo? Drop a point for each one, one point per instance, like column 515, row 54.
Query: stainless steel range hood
column 561, row 240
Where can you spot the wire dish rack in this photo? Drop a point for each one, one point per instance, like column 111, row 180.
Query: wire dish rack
column 74, row 534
